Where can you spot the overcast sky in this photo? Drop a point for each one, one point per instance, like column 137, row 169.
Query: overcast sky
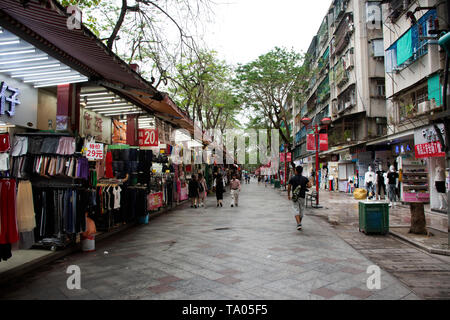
column 245, row 29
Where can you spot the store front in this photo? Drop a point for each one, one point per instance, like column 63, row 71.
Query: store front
column 428, row 150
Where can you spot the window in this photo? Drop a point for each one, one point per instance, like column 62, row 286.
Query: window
column 378, row 48
column 381, row 88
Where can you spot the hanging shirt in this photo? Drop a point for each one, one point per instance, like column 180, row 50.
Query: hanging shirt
column 392, row 176
column 4, row 161
column 116, row 192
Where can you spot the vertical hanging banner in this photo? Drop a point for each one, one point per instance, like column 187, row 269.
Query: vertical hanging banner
column 148, row 137
column 311, row 142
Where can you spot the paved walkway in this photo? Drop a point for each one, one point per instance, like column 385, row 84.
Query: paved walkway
column 249, row 252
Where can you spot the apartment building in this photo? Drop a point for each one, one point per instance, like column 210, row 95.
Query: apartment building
column 414, row 66
column 347, row 84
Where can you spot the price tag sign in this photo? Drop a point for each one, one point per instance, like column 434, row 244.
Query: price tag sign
column 148, row 137
column 94, row 151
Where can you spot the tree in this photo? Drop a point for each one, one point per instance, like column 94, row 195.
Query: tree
column 202, row 90
column 142, row 30
column 268, row 84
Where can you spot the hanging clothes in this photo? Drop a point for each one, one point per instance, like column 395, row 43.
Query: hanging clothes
column 26, row 219
column 109, row 170
column 9, row 233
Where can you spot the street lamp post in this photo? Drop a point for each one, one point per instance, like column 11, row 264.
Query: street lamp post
column 307, row 123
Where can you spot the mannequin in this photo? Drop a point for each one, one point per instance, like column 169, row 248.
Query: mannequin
column 439, row 181
column 380, row 182
column 392, row 183
column 369, row 182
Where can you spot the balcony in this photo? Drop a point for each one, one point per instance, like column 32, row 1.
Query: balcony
column 343, row 34
column 342, row 77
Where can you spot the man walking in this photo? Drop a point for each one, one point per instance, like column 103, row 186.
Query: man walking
column 298, row 184
column 235, row 186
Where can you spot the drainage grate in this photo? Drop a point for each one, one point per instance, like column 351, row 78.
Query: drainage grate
column 224, row 228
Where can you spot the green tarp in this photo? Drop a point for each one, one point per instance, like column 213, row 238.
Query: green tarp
column 434, row 89
column 404, row 48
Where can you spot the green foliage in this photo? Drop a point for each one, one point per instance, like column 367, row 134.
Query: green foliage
column 267, row 84
column 202, row 89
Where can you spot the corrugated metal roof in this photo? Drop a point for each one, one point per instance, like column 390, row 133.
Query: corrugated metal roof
column 84, row 50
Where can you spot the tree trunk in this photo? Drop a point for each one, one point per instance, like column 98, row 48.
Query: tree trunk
column 418, row 222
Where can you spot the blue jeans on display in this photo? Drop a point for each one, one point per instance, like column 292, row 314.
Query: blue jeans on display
column 391, row 193
column 370, row 189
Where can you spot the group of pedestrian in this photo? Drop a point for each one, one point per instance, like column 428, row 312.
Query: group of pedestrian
column 197, row 191
column 235, row 186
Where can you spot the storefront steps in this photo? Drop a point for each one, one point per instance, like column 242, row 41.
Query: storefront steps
column 25, row 261
column 340, row 208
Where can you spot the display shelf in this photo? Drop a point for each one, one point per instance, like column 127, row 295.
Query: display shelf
column 415, row 187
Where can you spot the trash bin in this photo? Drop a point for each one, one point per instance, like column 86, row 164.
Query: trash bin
column 144, row 219
column 373, row 217
column 277, row 184
column 88, row 243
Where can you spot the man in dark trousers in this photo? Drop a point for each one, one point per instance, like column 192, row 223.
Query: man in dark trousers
column 298, row 204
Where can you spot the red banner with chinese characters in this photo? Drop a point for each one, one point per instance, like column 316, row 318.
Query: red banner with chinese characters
column 288, row 156
column 154, row 201
column 148, row 137
column 311, row 142
column 430, row 149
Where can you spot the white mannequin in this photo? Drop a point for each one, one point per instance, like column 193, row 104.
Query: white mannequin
column 439, row 181
column 370, row 181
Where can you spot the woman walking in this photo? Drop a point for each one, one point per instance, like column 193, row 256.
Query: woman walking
column 193, row 191
column 202, row 189
column 219, row 190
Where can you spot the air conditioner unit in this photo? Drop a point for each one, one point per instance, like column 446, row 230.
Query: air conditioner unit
column 424, row 107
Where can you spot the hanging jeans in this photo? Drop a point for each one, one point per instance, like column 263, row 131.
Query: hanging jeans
column 370, row 190
column 391, row 193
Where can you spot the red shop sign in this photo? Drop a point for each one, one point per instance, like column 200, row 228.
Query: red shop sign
column 148, row 137
column 154, row 201
column 430, row 149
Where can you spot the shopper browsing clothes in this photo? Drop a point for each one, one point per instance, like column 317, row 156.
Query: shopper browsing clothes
column 202, row 189
column 235, row 186
column 219, row 190
column 194, row 191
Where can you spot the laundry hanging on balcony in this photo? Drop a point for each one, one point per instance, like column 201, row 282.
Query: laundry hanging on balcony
column 404, row 48
column 434, row 89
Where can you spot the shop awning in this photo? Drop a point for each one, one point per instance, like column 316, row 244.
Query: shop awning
column 402, row 136
column 45, row 26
